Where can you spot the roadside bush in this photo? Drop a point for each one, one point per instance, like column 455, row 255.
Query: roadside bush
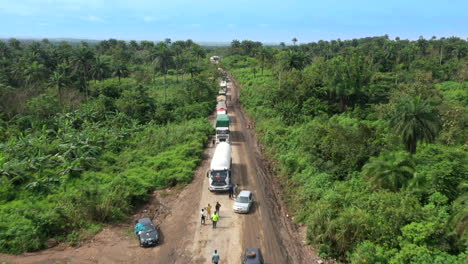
column 25, row 225
column 368, row 252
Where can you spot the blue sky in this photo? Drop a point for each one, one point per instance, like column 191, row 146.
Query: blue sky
column 220, row 20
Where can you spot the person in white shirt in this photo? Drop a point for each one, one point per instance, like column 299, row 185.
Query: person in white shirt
column 203, row 216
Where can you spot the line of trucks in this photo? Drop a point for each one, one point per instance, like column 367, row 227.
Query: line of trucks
column 220, row 167
column 220, row 174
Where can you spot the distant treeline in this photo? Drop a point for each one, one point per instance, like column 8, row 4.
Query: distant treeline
column 91, row 42
column 28, row 69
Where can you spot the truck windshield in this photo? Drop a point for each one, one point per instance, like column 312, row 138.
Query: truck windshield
column 222, row 132
column 218, row 175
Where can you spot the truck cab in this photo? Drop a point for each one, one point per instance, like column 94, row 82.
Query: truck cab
column 220, row 180
column 221, row 106
column 222, row 134
column 221, row 111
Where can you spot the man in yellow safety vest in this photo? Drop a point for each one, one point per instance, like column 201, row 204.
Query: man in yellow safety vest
column 215, row 218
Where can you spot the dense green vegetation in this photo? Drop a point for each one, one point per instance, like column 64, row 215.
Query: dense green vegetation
column 87, row 132
column 369, row 137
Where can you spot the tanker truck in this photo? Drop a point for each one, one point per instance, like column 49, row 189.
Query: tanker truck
column 220, row 169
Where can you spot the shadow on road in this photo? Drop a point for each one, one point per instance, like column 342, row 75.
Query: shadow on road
column 240, row 175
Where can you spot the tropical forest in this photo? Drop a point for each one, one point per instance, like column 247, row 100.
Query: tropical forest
column 87, row 131
column 367, row 137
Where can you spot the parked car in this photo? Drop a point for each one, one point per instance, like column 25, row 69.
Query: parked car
column 243, row 202
column 149, row 236
column 252, row 256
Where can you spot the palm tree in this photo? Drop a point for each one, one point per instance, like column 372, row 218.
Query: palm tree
column 391, row 170
column 292, row 59
column 288, row 60
column 189, row 43
column 82, row 61
column 199, row 52
column 134, row 45
column 58, row 80
column 415, row 120
column 100, row 68
column 264, row 55
column 345, row 76
column 179, row 60
column 294, row 40
column 120, row 70
column 34, row 73
column 192, row 67
column 5, row 51
column 235, row 43
column 162, row 59
column 14, row 44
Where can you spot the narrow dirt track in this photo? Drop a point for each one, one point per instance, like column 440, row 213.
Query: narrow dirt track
column 185, row 240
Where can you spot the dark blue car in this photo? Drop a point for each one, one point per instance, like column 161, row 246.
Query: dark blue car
column 149, row 236
column 252, row 256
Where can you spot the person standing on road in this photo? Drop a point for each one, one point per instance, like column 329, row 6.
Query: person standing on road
column 236, row 190
column 214, row 219
column 215, row 257
column 208, row 209
column 231, row 191
column 217, row 207
column 203, row 216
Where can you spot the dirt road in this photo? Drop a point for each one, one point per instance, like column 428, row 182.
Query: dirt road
column 185, row 239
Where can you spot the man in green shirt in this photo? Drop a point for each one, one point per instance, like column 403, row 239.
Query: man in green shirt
column 215, row 218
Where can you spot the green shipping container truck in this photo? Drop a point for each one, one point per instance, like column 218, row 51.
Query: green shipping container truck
column 222, row 121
